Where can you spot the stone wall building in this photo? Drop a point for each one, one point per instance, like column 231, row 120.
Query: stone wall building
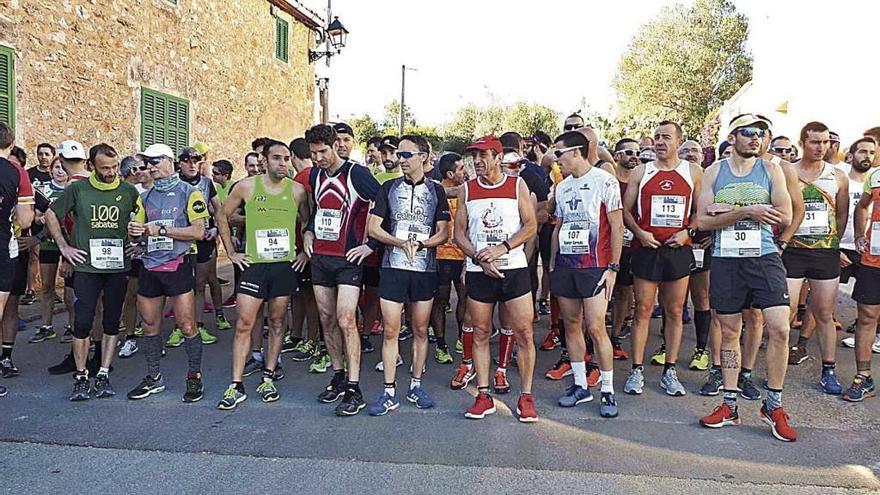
column 134, row 72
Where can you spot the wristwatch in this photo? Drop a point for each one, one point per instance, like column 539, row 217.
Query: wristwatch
column 421, row 246
column 614, row 267
column 163, row 231
column 782, row 244
column 692, row 232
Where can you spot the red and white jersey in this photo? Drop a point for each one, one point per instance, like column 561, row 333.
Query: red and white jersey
column 582, row 207
column 493, row 217
column 664, row 203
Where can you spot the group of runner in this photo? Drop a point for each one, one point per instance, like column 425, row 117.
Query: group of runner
column 357, row 249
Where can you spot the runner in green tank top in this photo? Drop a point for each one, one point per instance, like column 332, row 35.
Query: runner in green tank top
column 271, row 202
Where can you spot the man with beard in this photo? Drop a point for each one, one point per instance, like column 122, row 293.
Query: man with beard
column 626, row 155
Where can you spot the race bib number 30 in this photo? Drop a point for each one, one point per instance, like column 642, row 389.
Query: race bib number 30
column 273, row 244
column 741, row 240
column 815, row 219
column 328, row 224
column 574, row 238
column 667, row 211
column 107, row 254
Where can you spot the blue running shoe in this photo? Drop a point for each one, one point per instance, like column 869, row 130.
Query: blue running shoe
column 420, row 398
column 829, row 382
column 607, row 405
column 575, row 395
column 383, row 405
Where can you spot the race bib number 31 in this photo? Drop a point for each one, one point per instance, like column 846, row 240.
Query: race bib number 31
column 107, row 254
column 815, row 219
column 328, row 224
column 667, row 211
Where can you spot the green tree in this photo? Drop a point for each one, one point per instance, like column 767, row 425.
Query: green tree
column 364, row 128
column 471, row 121
column 391, row 123
column 684, row 64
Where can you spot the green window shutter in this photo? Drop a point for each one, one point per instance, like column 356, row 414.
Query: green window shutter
column 164, row 119
column 282, row 39
column 7, row 86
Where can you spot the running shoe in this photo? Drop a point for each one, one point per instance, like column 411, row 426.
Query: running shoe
column 252, row 366
column 288, row 344
column 747, row 389
column 525, row 409
column 849, row 342
column 207, row 338
column 432, row 339
column 405, row 333
column 608, row 405
column 28, row 298
column 376, row 329
column 657, row 313
column 207, row 308
column 194, row 388
column 635, row 382
column 544, row 307
column 222, row 281
column 459, row 347
column 777, row 419
column 267, row 390
column 383, row 405
column 797, row 355
column 575, row 395
column 670, row 383
column 560, row 370
column 232, row 397
column 138, row 331
column 876, row 347
column 722, row 415
column 366, row 345
column 352, row 403
column 334, row 391
column 8, row 368
column 103, row 390
column 500, row 385
column 278, row 373
column 685, row 316
column 67, row 365
column 229, row 302
column 320, row 362
column 861, row 388
column 380, row 366
column 852, row 327
column 552, row 340
column 830, row 384
column 619, row 353
column 442, row 356
column 222, row 322
column 699, row 360
column 129, row 349
column 175, row 339
column 495, row 332
column 463, row 375
column 44, row 333
column 594, row 375
column 3, row 391
column 483, row 406
column 169, row 314
column 659, row 356
column 67, row 336
column 148, row 387
column 626, row 330
column 420, row 398
column 303, row 351
column 81, row 388
column 713, row 383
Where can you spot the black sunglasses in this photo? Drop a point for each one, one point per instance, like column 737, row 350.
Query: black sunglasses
column 571, row 127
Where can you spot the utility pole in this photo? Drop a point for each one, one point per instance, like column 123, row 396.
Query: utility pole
column 403, row 69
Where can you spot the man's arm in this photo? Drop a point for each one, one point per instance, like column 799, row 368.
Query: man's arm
column 792, row 183
column 841, row 202
column 460, row 226
column 860, row 216
column 228, row 208
column 779, row 196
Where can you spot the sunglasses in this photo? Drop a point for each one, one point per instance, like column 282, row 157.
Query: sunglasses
column 628, row 152
column 563, row 151
column 192, row 158
column 406, row 155
column 155, row 161
column 142, row 168
column 782, row 150
column 749, row 132
column 571, row 127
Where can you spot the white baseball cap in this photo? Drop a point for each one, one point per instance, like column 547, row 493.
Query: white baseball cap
column 157, row 150
column 72, row 150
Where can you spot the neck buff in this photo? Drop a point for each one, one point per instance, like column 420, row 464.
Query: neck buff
column 166, row 184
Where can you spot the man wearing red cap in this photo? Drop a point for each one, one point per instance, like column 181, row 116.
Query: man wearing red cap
column 493, row 221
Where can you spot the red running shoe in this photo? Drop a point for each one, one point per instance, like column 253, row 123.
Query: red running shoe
column 560, row 370
column 778, row 421
column 483, row 406
column 463, row 375
column 721, row 416
column 619, row 353
column 169, row 314
column 552, row 340
column 594, row 376
column 377, row 328
column 229, row 302
column 501, row 386
column 525, row 409
column 208, row 308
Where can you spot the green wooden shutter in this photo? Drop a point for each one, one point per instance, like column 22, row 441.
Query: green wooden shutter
column 164, row 119
column 7, row 86
column 282, row 39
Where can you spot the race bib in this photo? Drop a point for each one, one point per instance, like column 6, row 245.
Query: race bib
column 741, row 240
column 574, row 238
column 875, row 239
column 328, row 224
column 488, row 240
column 408, row 231
column 273, row 244
column 107, row 254
column 815, row 219
column 699, row 256
column 160, row 243
column 667, row 211
column 628, row 237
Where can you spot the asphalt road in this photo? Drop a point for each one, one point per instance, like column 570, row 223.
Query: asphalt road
column 656, row 445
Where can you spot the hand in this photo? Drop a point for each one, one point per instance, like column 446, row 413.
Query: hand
column 718, row 208
column 211, row 234
column 308, row 240
column 765, row 214
column 65, row 269
column 491, row 253
column 134, row 249
column 300, row 262
column 151, row 230
column 239, row 260
column 72, row 254
column 236, row 243
column 844, row 260
column 27, row 242
column 647, row 240
column 861, row 245
column 136, row 229
column 491, row 270
column 609, row 278
column 409, row 249
column 678, row 239
column 706, row 243
column 357, row 254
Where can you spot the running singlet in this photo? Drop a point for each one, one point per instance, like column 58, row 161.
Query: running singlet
column 54, row 191
column 493, row 217
column 664, row 204
column 855, row 194
column 15, row 189
column 871, row 257
column 177, row 207
column 100, row 213
column 628, row 235
column 582, row 206
column 271, row 223
column 382, row 177
column 341, row 206
column 746, row 238
column 411, row 211
column 818, row 230
column 449, row 250
column 206, row 187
